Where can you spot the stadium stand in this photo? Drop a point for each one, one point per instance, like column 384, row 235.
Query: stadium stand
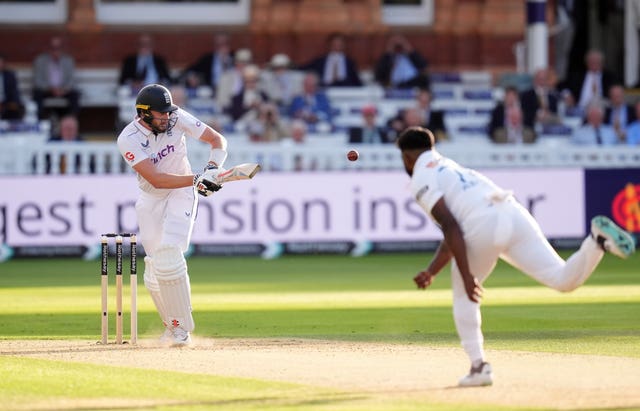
column 466, row 98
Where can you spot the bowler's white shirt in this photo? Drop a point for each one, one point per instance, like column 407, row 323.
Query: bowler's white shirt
column 167, row 151
column 466, row 192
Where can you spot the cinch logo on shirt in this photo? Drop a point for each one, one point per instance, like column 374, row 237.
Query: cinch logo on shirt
column 129, row 156
column 162, row 153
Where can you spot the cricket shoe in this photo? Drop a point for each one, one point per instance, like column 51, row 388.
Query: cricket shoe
column 611, row 237
column 479, row 376
column 181, row 338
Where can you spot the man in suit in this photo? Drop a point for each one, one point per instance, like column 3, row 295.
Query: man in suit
column 498, row 117
column 11, row 107
column 592, row 84
column 619, row 114
column 401, row 66
column 594, row 131
column 54, row 77
column 335, row 68
column 369, row 132
column 209, row 67
column 540, row 102
column 514, row 130
column 312, row 105
column 144, row 67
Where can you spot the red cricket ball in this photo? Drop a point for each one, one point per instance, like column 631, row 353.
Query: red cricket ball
column 353, row 155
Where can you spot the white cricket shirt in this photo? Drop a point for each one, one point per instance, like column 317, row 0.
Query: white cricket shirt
column 167, row 151
column 466, row 192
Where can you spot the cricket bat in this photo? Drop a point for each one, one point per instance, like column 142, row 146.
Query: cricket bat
column 244, row 171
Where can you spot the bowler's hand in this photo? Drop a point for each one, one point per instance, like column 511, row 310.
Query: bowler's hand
column 473, row 288
column 423, row 279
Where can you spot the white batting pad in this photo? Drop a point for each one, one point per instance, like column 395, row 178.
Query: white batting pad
column 171, row 272
column 151, row 283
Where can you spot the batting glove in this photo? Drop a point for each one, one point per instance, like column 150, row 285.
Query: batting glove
column 205, row 186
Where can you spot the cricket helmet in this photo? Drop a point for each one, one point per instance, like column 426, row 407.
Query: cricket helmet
column 157, row 98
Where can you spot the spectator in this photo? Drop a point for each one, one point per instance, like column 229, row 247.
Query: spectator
column 335, row 68
column 401, row 66
column 144, row 67
column 540, row 102
column 369, row 132
column 205, row 112
column 582, row 88
column 281, row 82
column 619, row 114
column 633, row 129
column 68, row 132
column 54, row 81
column 312, row 105
column 11, row 107
column 594, row 131
column 514, row 130
column 298, row 131
column 267, row 126
column 244, row 105
column 208, row 69
column 231, row 81
column 498, row 117
column 421, row 115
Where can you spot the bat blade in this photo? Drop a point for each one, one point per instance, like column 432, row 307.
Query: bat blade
column 244, row 171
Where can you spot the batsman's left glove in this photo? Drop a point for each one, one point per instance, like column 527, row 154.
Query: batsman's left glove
column 205, row 186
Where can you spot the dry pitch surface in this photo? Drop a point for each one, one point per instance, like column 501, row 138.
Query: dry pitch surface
column 556, row 381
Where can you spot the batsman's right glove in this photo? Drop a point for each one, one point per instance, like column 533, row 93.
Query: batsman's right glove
column 205, row 186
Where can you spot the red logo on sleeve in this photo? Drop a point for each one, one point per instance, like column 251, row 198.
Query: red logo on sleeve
column 129, row 156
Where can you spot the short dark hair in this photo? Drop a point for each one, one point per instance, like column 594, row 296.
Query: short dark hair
column 416, row 138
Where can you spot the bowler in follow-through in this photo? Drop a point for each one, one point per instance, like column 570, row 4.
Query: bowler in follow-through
column 482, row 222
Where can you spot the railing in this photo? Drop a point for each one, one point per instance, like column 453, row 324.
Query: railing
column 32, row 155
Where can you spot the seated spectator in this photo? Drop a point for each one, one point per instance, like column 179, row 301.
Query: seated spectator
column 369, row 132
column 540, row 102
column 335, row 68
column 144, row 67
column 68, row 132
column 208, row 69
column 514, row 130
column 281, row 82
column 298, row 131
column 594, row 131
column 312, row 105
column 205, row 111
column 633, row 129
column 54, row 81
column 421, row 114
column 618, row 113
column 244, row 105
column 11, row 107
column 401, row 66
column 498, row 117
column 579, row 89
column 267, row 127
column 231, row 80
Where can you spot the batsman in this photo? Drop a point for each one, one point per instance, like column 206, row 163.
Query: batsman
column 154, row 145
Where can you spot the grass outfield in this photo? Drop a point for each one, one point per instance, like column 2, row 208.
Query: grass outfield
column 318, row 297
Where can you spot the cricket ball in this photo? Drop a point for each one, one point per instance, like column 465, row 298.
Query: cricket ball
column 353, row 155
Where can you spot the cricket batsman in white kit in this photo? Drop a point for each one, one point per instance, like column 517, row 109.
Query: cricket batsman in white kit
column 481, row 222
column 154, row 145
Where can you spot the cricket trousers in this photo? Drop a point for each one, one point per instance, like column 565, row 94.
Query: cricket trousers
column 508, row 231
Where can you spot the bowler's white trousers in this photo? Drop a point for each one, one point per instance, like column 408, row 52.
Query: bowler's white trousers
column 509, row 232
